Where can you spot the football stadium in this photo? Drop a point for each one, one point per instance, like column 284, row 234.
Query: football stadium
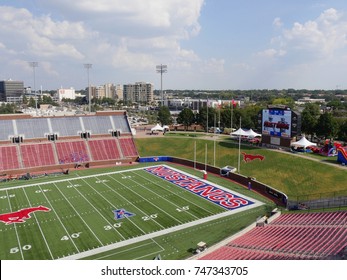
column 82, row 187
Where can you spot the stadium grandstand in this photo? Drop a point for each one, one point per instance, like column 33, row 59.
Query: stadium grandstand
column 299, row 236
column 36, row 144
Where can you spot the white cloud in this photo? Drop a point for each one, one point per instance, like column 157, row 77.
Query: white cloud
column 322, row 36
column 277, row 22
column 39, row 36
column 271, row 53
column 133, row 35
column 178, row 17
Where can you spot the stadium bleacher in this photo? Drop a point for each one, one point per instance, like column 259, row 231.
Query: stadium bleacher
column 29, row 142
column 104, row 149
column 37, row 154
column 8, row 158
column 72, row 152
column 128, row 147
column 290, row 236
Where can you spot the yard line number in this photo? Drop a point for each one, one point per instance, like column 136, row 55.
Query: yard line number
column 74, row 236
column 117, row 225
column 150, row 217
column 182, row 209
column 9, row 196
column 15, row 250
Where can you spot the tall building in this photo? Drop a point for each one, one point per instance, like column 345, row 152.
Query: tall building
column 100, row 92
column 138, row 92
column 92, row 92
column 119, row 92
column 110, row 91
column 11, row 91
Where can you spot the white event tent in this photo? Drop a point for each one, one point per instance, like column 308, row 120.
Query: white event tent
column 239, row 132
column 157, row 128
column 246, row 133
column 252, row 133
column 303, row 142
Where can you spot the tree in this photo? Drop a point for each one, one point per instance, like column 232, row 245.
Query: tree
column 335, row 104
column 164, row 116
column 251, row 112
column 25, row 99
column 342, row 135
column 202, row 116
column 32, row 102
column 7, row 108
column 186, row 117
column 327, row 126
column 284, row 101
column 309, row 118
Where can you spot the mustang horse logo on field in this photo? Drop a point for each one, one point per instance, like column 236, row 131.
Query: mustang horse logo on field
column 249, row 157
column 21, row 215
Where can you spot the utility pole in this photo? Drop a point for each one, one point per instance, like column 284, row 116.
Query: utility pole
column 88, row 66
column 161, row 69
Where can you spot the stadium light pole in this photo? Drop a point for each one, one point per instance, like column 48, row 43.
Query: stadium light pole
column 88, row 66
column 161, row 69
column 34, row 64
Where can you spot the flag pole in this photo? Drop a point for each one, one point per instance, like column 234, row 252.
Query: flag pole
column 194, row 155
column 238, row 167
column 231, row 116
column 205, row 156
column 207, row 115
column 214, row 141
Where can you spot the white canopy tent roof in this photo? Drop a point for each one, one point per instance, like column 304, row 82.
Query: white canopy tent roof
column 248, row 133
column 157, row 128
column 252, row 133
column 239, row 132
column 303, row 142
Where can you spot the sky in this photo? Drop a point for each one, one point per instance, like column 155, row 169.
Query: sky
column 206, row 44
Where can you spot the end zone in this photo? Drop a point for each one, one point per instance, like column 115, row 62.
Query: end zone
column 229, row 200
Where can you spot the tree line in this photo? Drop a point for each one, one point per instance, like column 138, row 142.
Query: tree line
column 323, row 125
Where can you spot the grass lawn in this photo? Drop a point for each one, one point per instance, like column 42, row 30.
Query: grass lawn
column 295, row 176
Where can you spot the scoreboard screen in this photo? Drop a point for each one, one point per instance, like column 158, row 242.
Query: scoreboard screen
column 277, row 122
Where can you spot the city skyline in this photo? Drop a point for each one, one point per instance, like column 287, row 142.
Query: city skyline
column 206, row 44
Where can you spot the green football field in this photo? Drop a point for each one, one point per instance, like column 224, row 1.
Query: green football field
column 90, row 215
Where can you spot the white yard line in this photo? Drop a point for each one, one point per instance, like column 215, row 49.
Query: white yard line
column 156, row 234
column 129, row 202
column 38, row 224
column 15, row 228
column 160, row 209
column 101, row 215
column 133, row 203
column 167, row 189
column 61, row 222
column 167, row 200
column 79, row 215
column 70, row 179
